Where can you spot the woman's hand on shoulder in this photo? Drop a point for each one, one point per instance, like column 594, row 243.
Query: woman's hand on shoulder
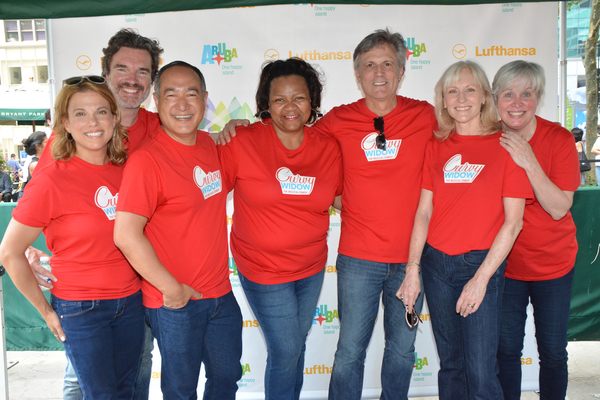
column 228, row 131
column 520, row 151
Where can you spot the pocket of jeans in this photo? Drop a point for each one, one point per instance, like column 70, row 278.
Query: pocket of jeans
column 67, row 309
column 425, row 250
column 474, row 258
column 175, row 309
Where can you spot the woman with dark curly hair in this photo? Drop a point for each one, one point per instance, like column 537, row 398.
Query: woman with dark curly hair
column 96, row 309
column 285, row 179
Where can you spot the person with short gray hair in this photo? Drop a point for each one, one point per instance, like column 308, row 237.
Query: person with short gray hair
column 380, row 38
column 540, row 265
column 383, row 138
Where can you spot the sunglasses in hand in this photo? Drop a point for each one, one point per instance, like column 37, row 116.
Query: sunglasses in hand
column 412, row 318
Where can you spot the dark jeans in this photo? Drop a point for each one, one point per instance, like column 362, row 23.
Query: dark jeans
column 208, row 331
column 551, row 301
column 104, row 343
column 467, row 347
column 360, row 287
column 285, row 312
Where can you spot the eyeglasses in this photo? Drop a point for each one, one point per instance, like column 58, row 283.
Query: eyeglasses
column 412, row 318
column 76, row 80
column 380, row 140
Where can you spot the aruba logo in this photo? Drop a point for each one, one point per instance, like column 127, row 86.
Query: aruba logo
column 232, row 267
column 245, row 368
column 321, row 314
column 420, row 362
column 414, row 49
column 217, row 53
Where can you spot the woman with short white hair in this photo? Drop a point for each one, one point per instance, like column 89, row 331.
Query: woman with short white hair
column 540, row 266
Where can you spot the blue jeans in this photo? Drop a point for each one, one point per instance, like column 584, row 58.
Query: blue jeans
column 104, row 343
column 467, row 347
column 205, row 331
column 142, row 381
column 285, row 313
column 551, row 301
column 141, row 390
column 360, row 284
column 71, row 389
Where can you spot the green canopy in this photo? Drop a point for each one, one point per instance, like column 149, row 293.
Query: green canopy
column 22, row 9
column 22, row 114
column 28, row 102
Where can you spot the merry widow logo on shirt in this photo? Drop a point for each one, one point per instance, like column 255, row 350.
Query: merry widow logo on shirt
column 105, row 200
column 455, row 172
column 374, row 154
column 210, row 184
column 294, row 184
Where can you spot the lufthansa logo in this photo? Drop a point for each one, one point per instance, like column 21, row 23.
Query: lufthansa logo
column 83, row 63
column 271, row 55
column 459, row 51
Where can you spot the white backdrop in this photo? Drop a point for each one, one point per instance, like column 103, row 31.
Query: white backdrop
column 230, row 45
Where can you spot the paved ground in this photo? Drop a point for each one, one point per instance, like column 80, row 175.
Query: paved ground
column 36, row 375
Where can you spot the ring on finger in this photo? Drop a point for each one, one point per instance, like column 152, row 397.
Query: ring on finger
column 470, row 305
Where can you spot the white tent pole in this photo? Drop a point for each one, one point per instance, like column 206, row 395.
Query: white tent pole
column 3, row 361
column 562, row 62
column 51, row 80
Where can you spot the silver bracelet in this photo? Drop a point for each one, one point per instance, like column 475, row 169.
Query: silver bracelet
column 413, row 263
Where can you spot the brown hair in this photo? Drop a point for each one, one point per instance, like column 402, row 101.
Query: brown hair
column 63, row 146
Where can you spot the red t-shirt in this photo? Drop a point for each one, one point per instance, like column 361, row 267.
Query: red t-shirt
column 469, row 177
column 281, row 202
column 179, row 189
column 147, row 123
column 381, row 189
column 546, row 249
column 75, row 203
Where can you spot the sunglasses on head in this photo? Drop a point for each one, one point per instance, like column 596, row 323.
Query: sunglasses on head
column 380, row 139
column 76, row 80
column 412, row 318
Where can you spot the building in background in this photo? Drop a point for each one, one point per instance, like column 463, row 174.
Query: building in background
column 23, row 81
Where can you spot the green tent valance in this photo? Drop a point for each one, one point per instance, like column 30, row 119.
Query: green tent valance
column 22, row 9
column 22, row 114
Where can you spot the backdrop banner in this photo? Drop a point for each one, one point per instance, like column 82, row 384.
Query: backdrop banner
column 230, row 45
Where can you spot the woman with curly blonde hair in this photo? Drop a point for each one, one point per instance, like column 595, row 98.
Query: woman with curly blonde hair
column 96, row 306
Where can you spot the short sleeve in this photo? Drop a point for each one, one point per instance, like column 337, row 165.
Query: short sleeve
column 39, row 204
column 140, row 191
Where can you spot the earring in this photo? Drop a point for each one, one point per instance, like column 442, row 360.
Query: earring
column 317, row 114
column 69, row 137
column 261, row 117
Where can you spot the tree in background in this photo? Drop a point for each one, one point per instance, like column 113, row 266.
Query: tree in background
column 591, row 79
